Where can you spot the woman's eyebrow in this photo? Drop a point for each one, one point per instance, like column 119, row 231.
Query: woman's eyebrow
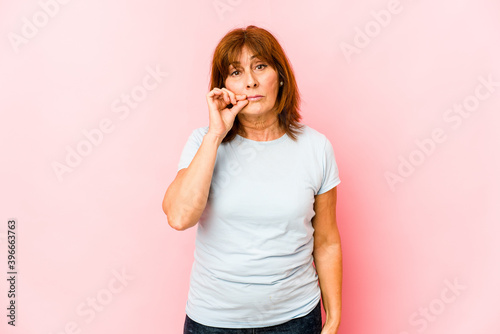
column 236, row 62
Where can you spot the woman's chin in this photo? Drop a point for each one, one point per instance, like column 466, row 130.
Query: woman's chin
column 251, row 110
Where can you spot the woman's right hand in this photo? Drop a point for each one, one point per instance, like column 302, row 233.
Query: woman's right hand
column 222, row 118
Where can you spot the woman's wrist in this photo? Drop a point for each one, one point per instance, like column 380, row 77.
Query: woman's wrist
column 332, row 319
column 214, row 138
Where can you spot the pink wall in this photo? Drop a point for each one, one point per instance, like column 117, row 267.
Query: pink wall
column 417, row 206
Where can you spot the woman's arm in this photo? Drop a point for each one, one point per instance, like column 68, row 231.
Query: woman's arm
column 187, row 195
column 328, row 257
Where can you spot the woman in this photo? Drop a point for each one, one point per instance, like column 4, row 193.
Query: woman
column 262, row 188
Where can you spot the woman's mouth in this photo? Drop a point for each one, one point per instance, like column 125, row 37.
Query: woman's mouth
column 254, row 98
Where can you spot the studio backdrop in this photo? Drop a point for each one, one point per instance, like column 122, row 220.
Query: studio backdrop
column 98, row 99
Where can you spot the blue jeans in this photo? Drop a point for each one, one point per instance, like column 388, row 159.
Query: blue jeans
column 308, row 324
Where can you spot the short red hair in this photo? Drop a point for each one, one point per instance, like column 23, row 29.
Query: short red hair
column 264, row 44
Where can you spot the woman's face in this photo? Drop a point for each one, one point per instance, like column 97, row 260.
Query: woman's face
column 251, row 77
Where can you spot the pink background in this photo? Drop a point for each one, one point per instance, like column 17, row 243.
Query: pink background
column 404, row 244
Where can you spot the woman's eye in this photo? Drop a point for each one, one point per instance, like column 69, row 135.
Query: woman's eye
column 234, row 72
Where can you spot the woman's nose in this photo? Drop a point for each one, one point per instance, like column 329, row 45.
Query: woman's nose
column 251, row 82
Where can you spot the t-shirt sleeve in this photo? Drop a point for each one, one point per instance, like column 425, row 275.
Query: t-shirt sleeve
column 330, row 170
column 191, row 147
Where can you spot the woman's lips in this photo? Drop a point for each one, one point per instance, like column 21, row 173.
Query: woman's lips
column 254, row 98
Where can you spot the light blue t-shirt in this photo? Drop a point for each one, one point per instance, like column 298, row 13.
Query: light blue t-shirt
column 253, row 264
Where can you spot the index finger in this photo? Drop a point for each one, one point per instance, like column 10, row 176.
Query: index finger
column 232, row 96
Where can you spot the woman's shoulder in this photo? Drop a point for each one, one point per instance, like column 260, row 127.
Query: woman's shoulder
column 196, row 135
column 311, row 134
column 199, row 132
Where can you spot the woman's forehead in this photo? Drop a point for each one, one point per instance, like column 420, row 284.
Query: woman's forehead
column 249, row 57
column 242, row 56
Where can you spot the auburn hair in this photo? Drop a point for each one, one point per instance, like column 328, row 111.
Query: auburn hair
column 265, row 45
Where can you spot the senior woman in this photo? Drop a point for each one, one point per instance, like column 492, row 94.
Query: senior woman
column 261, row 188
